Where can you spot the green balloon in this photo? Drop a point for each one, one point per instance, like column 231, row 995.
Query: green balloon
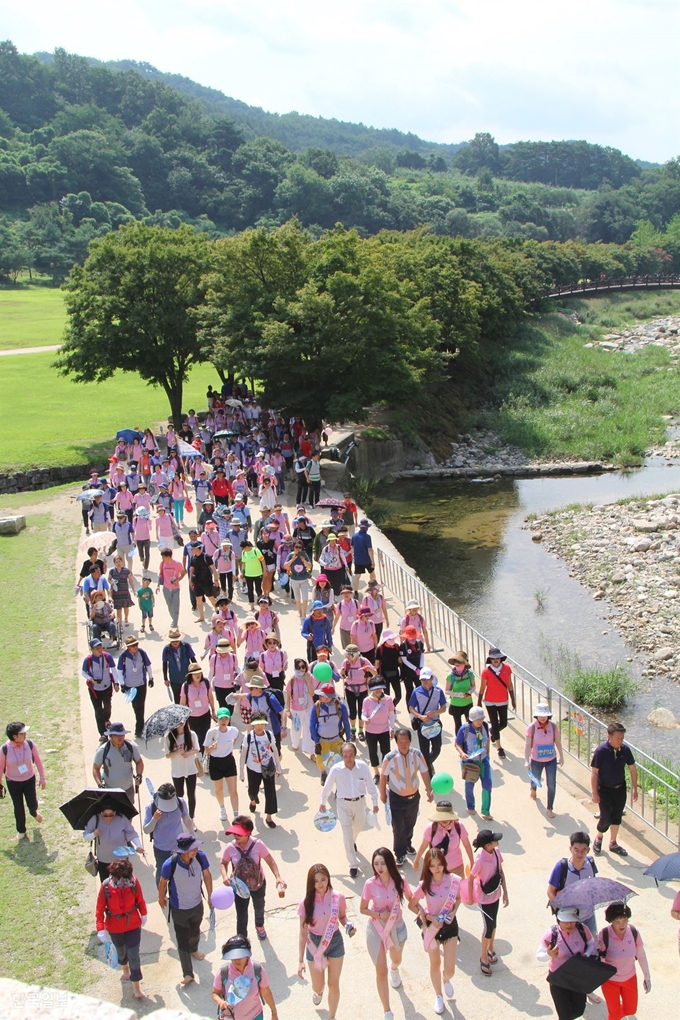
column 442, row 783
column 323, row 672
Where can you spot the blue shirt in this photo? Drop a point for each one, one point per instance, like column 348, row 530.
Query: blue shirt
column 361, row 543
column 189, row 880
column 427, row 701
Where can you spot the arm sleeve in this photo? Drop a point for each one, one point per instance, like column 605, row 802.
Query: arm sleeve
column 99, row 909
column 314, row 725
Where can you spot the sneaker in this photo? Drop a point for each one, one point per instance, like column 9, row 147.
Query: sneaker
column 261, row 934
column 22, row 835
column 401, row 861
column 615, row 848
column 501, row 752
column 223, row 814
column 395, row 977
column 362, row 736
column 448, row 989
column 597, row 846
column 389, row 1015
column 316, row 998
column 411, row 850
column 438, row 1005
column 353, row 872
column 324, row 777
column 376, row 780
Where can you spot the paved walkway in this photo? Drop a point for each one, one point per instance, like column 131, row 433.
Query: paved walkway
column 531, row 844
column 30, row 350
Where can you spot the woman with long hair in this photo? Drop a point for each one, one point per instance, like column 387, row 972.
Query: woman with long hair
column 321, row 913
column 182, row 748
column 381, row 901
column 439, row 890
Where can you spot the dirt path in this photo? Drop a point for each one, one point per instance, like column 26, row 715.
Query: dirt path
column 30, row 350
column 531, row 845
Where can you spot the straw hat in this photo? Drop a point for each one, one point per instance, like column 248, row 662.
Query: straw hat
column 271, row 636
column 194, row 668
column 174, row 634
column 459, row 658
column 443, row 813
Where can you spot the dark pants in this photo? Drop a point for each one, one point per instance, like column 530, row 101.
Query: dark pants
column 227, row 583
column 188, row 932
column 459, row 714
column 144, row 551
column 138, row 705
column 20, row 790
column 276, row 681
column 375, row 741
column 314, row 492
column 269, row 783
column 176, row 689
column 354, row 704
column 161, row 857
column 221, row 695
column 190, row 781
column 404, row 814
column 430, row 749
column 394, row 680
column 101, row 703
column 192, row 597
column 568, row 1005
column 103, row 869
column 336, row 578
column 301, row 496
column 256, row 583
column 407, row 678
column 498, row 717
column 127, row 944
column 257, row 899
column 200, row 724
column 612, row 804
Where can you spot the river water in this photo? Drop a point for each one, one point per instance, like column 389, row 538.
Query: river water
column 468, row 544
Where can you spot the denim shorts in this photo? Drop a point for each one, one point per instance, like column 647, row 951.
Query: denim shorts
column 335, row 950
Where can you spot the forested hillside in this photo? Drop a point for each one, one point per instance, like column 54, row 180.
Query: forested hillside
column 84, row 149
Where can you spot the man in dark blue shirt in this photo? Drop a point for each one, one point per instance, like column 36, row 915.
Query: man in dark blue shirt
column 362, row 549
column 608, row 783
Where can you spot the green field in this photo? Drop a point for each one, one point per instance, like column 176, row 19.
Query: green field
column 47, row 420
column 31, row 316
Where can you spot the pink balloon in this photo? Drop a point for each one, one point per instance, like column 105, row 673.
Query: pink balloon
column 222, row 897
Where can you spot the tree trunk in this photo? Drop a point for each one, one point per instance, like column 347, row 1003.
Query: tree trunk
column 175, row 395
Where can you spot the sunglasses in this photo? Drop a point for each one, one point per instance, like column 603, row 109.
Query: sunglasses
column 108, row 814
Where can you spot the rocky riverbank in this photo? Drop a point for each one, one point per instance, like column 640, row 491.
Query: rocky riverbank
column 627, row 554
column 663, row 332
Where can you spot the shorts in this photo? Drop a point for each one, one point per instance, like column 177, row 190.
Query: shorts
column 447, row 931
column 222, row 768
column 360, row 568
column 335, row 950
column 399, row 934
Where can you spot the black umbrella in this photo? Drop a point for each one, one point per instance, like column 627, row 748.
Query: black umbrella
column 164, row 720
column 80, row 808
column 225, row 434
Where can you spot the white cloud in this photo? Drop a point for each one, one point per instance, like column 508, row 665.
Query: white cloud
column 606, row 72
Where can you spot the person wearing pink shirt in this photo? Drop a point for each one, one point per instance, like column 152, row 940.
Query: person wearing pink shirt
column 362, row 633
column 414, row 618
column 252, row 636
column 375, row 601
column 381, row 901
column 565, row 939
column 164, row 532
column 197, row 695
column 379, row 718
column 237, row 965
column 141, row 497
column 346, row 612
column 620, row 945
column 447, row 833
column 543, row 750
column 273, row 661
column 223, row 670
column 170, row 573
column 141, row 526
column 436, row 900
column 299, row 698
column 322, row 913
column 355, row 671
column 244, row 856
column 124, row 501
column 19, row 761
column 488, row 868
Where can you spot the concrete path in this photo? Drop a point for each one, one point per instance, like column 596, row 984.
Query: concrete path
column 30, row 350
column 531, row 845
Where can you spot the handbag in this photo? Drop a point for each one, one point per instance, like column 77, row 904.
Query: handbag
column 471, row 771
column 91, row 863
column 268, row 770
column 200, row 767
column 581, row 974
column 188, row 505
column 431, row 730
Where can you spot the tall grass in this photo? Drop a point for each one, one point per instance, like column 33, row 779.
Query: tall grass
column 593, row 687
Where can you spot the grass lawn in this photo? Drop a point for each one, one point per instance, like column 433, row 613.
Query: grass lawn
column 47, row 420
column 31, row 316
column 45, row 914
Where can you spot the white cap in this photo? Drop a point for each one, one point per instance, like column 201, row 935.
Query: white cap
column 568, row 914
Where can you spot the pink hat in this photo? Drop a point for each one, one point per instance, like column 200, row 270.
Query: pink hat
column 387, row 635
column 322, row 577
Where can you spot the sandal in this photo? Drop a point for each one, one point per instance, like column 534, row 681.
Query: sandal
column 485, row 968
column 491, row 956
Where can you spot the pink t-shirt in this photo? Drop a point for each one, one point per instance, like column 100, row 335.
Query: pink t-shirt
column 348, row 610
column 454, row 854
column 484, row 869
column 379, row 716
column 274, row 662
column 382, row 896
column 169, row 573
column 363, row 634
column 676, row 907
column 322, row 911
column 299, row 693
column 18, row 763
column 124, row 500
column 438, row 895
column 621, row 952
column 256, row 849
column 142, row 529
column 375, row 603
column 543, row 743
column 572, row 940
column 355, row 678
column 223, row 669
column 254, row 637
column 250, row 1007
column 196, row 698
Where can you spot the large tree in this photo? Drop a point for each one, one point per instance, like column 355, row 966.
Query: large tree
column 131, row 307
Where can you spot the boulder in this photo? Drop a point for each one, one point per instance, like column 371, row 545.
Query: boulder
column 12, row 525
column 663, row 718
column 642, row 545
column 642, row 524
column 618, row 577
column 335, row 475
column 662, row 654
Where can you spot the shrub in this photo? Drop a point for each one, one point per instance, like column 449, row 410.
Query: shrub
column 600, row 688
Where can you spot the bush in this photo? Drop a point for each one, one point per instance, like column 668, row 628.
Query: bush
column 599, row 688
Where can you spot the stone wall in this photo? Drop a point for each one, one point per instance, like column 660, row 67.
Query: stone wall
column 44, row 478
column 27, row 1002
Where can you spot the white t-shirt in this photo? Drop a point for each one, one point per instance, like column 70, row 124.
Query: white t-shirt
column 181, row 767
column 225, row 740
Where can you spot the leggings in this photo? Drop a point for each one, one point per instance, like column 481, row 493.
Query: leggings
column 178, row 782
column 498, row 717
column 459, row 714
column 255, row 582
column 144, row 550
column 20, row 789
column 394, row 680
column 375, row 741
column 227, row 583
column 178, row 510
column 354, row 704
column 490, row 915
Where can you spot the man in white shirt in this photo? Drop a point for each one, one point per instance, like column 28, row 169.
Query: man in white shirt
column 352, row 780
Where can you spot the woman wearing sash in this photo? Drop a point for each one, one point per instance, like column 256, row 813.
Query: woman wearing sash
column 381, row 901
column 439, row 891
column 321, row 913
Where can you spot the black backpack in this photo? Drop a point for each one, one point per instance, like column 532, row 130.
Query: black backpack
column 555, row 932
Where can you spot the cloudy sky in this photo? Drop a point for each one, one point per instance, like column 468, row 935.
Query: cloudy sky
column 606, row 71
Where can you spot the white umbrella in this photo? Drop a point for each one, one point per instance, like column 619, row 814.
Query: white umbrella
column 88, row 494
column 99, row 540
column 233, row 402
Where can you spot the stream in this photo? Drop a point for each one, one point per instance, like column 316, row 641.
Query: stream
column 468, row 543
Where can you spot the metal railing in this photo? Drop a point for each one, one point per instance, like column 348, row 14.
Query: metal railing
column 581, row 732
column 588, row 287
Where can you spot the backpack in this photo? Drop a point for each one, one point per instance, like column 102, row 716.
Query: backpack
column 317, row 708
column 257, row 967
column 154, row 801
column 107, row 893
column 126, row 745
column 564, row 870
column 555, row 932
column 248, row 870
column 605, row 938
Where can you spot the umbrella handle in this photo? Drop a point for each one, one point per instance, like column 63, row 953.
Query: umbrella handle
column 141, row 827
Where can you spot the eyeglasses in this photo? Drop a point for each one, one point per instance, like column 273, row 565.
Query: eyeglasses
column 108, row 814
